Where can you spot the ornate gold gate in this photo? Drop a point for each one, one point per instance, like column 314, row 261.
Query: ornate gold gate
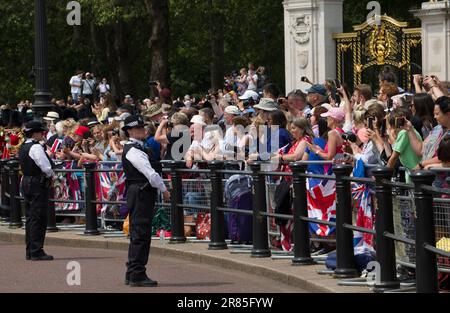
column 362, row 54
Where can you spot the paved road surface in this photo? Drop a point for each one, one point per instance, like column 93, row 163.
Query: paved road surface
column 103, row 271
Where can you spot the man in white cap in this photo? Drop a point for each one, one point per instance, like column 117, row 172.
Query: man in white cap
column 229, row 141
column 51, row 119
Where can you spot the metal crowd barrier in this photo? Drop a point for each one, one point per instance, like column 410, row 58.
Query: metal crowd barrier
column 385, row 236
column 426, row 252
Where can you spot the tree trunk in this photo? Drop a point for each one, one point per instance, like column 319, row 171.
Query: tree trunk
column 217, row 20
column 159, row 41
column 123, row 64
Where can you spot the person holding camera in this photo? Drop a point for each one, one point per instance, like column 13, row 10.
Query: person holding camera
column 399, row 139
column 37, row 171
column 143, row 182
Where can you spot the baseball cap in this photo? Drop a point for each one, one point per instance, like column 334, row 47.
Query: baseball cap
column 319, row 89
column 233, row 110
column 336, row 113
column 249, row 94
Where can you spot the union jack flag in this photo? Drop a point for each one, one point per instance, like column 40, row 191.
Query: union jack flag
column 56, row 145
column 111, row 186
column 321, row 194
column 362, row 242
column 67, row 187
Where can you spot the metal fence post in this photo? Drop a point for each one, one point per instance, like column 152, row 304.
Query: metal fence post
column 346, row 267
column 302, row 253
column 89, row 197
column 5, row 204
column 16, row 208
column 260, row 234
column 426, row 266
column 176, row 213
column 217, row 217
column 385, row 223
column 51, row 217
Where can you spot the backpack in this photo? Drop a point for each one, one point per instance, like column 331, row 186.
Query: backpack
column 238, row 192
column 361, row 261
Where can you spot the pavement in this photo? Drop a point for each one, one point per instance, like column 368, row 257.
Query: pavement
column 184, row 268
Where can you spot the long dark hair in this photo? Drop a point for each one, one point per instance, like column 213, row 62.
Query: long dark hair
column 424, row 105
column 278, row 118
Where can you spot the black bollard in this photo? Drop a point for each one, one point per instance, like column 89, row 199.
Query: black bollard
column 217, row 217
column 385, row 223
column 176, row 213
column 302, row 253
column 89, row 197
column 16, row 208
column 426, row 266
column 4, row 207
column 346, row 267
column 260, row 230
column 51, row 217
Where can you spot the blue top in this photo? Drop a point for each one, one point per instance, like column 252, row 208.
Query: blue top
column 316, row 168
column 284, row 138
column 155, row 147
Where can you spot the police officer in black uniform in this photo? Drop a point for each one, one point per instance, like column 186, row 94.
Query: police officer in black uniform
column 37, row 171
column 143, row 182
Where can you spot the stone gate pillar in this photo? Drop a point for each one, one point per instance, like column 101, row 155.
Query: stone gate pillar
column 309, row 47
column 435, row 18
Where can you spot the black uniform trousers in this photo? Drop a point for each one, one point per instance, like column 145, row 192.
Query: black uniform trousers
column 36, row 194
column 141, row 203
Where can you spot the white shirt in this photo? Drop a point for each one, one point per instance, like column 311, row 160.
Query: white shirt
column 229, row 142
column 104, row 88
column 139, row 159
column 88, row 86
column 75, row 80
column 251, row 85
column 38, row 155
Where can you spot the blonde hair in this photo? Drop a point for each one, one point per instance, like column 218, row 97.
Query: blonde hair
column 180, row 119
column 358, row 114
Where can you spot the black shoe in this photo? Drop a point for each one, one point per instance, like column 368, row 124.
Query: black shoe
column 44, row 257
column 144, row 283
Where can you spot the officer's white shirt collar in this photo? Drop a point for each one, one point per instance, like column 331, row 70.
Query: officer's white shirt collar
column 133, row 140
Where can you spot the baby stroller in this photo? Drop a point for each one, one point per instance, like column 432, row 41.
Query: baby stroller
column 238, row 193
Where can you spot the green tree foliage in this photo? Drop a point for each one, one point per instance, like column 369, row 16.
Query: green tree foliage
column 114, row 41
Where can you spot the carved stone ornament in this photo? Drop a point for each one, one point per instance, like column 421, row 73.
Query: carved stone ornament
column 301, row 28
column 302, row 59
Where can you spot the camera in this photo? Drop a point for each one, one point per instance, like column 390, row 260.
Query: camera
column 349, row 137
column 87, row 135
column 153, row 83
column 115, row 132
column 337, row 83
column 304, row 79
column 383, row 128
column 170, row 125
column 390, row 104
column 370, row 123
column 400, row 122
